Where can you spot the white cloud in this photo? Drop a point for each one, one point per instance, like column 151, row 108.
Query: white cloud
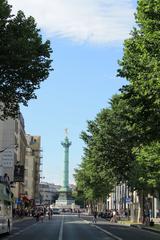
column 95, row 21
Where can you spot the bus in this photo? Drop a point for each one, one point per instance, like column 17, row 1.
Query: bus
column 5, row 208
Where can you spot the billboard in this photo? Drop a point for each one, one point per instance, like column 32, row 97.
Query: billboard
column 19, row 173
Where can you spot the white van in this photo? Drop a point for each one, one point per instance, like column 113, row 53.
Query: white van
column 56, row 210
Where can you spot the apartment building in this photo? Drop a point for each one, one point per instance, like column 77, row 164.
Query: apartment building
column 29, row 181
column 13, row 142
column 8, row 139
column 13, row 145
column 20, row 152
column 35, row 145
column 32, row 167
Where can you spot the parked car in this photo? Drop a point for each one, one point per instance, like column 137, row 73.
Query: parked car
column 106, row 215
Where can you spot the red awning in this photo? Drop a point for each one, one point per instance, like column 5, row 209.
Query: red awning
column 25, row 198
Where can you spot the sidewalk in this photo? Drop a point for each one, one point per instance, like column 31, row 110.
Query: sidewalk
column 15, row 220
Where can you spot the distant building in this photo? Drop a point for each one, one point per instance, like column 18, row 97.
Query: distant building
column 32, row 167
column 48, row 192
column 72, row 187
column 29, row 181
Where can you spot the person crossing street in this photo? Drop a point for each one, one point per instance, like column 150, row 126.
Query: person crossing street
column 95, row 216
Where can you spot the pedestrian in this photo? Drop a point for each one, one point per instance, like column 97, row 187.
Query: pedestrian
column 95, row 216
column 7, row 182
column 79, row 213
column 42, row 216
column 146, row 217
column 114, row 217
column 49, row 214
column 37, row 216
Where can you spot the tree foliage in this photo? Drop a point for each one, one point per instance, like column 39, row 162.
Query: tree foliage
column 148, row 166
column 94, row 176
column 140, row 65
column 123, row 140
column 24, row 60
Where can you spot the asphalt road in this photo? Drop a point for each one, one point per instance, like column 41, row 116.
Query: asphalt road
column 70, row 227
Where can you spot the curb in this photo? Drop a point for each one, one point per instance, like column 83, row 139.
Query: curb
column 145, row 228
column 119, row 224
column 136, row 226
column 151, row 230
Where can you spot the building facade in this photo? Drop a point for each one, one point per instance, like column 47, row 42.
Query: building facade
column 32, row 167
column 13, row 145
column 129, row 204
column 48, row 193
column 29, row 180
column 8, row 139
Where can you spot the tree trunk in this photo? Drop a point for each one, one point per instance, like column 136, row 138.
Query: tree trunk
column 141, row 197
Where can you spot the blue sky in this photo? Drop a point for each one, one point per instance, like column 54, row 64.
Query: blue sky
column 87, row 40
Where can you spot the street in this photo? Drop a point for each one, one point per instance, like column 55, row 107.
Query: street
column 70, row 227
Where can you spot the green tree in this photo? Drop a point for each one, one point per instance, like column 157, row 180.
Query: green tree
column 140, row 65
column 79, row 198
column 124, row 139
column 24, row 60
column 94, row 175
column 148, row 166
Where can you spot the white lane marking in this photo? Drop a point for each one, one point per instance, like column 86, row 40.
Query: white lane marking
column 101, row 229
column 108, row 233
column 61, row 230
